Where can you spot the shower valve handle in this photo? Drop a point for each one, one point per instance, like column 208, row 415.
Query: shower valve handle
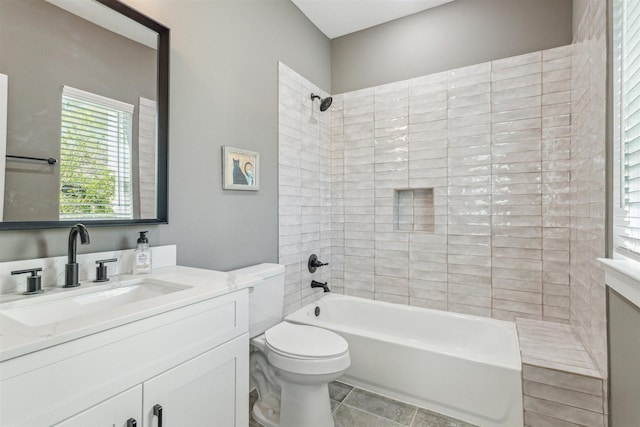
column 314, row 263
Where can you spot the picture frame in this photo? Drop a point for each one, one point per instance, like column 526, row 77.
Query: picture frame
column 240, row 169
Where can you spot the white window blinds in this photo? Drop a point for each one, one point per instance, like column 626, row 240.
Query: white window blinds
column 95, row 157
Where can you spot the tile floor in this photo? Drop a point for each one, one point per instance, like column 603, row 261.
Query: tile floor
column 354, row 407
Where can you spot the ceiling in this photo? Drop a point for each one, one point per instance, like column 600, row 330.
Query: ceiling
column 336, row 18
column 109, row 19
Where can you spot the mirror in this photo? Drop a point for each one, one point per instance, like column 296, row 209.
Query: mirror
column 86, row 85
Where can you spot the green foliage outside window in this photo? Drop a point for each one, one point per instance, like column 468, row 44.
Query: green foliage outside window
column 88, row 185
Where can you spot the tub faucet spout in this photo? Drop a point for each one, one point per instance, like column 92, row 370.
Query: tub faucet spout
column 71, row 268
column 324, row 285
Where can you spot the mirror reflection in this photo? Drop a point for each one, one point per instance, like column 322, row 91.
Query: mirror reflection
column 81, row 115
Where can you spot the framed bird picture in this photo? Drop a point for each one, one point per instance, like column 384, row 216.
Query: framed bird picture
column 240, row 169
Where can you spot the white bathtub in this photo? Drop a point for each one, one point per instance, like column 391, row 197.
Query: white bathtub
column 464, row 366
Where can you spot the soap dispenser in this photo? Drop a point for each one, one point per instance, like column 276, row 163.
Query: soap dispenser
column 142, row 255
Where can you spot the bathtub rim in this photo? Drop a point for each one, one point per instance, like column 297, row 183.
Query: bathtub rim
column 514, row 361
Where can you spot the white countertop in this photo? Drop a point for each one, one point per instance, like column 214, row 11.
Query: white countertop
column 17, row 339
column 623, row 276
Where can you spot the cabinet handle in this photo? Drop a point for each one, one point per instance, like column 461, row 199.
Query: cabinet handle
column 157, row 411
column 131, row 422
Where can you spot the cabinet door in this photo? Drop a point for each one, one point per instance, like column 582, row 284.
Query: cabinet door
column 209, row 390
column 114, row 412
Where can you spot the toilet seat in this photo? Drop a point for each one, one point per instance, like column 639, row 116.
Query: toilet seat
column 307, row 350
column 302, row 341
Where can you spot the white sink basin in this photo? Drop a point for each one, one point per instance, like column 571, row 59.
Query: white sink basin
column 58, row 307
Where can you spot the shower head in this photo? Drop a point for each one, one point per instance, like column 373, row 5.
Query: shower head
column 324, row 103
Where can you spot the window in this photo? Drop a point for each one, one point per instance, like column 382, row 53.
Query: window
column 626, row 80
column 95, row 157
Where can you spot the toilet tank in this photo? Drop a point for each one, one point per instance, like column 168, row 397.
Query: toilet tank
column 266, row 297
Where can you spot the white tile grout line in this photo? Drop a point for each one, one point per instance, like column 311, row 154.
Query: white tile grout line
column 340, row 403
column 416, row 408
column 374, row 415
column 415, row 414
column 347, row 395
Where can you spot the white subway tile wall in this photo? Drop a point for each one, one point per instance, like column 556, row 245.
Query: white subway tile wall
column 588, row 114
column 147, row 158
column 555, row 398
column 516, row 202
column 427, row 165
column 304, row 179
column 469, row 189
column 391, row 171
column 513, row 151
column 337, row 194
column 561, row 384
column 556, row 176
column 492, row 141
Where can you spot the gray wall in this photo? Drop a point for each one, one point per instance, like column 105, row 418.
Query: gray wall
column 42, row 49
column 463, row 32
column 624, row 375
column 224, row 91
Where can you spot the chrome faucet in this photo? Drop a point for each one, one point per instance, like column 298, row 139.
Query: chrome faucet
column 71, row 268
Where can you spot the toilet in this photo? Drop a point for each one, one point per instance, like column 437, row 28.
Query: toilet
column 290, row 365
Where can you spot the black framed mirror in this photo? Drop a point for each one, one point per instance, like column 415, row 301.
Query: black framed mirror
column 87, row 115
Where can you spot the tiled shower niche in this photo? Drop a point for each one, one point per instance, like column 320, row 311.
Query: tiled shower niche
column 413, row 210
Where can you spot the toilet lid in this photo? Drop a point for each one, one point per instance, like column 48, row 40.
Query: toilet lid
column 305, row 341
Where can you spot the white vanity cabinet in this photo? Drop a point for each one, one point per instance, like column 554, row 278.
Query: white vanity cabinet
column 123, row 410
column 200, row 392
column 193, row 361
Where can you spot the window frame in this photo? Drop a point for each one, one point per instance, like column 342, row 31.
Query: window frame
column 121, row 146
column 625, row 248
